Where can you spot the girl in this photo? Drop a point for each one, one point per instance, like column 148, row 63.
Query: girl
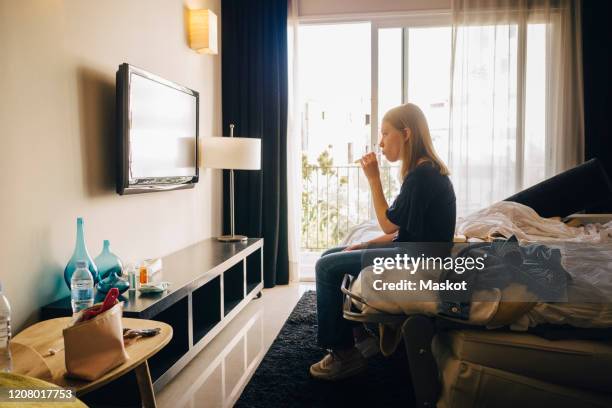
column 424, row 211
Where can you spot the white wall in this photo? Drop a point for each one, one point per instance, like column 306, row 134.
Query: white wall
column 309, row 8
column 57, row 105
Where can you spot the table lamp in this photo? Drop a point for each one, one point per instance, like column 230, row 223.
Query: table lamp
column 231, row 153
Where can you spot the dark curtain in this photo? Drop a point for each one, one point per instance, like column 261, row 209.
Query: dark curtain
column 597, row 66
column 254, row 92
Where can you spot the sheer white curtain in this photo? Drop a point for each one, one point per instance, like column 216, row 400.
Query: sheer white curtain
column 294, row 180
column 516, row 109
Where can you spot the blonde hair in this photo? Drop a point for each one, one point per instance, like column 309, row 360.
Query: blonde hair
column 419, row 145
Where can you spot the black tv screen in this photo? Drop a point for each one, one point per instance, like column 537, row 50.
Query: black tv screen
column 158, row 133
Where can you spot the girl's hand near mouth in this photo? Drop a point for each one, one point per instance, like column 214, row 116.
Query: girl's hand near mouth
column 369, row 164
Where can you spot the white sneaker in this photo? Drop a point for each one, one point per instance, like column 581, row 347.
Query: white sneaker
column 369, row 347
column 332, row 367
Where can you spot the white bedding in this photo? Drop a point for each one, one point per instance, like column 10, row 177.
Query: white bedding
column 506, row 218
column 587, row 256
column 363, row 232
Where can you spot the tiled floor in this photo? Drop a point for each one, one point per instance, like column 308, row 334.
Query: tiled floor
column 217, row 376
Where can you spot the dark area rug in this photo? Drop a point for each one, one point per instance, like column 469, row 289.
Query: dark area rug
column 282, row 379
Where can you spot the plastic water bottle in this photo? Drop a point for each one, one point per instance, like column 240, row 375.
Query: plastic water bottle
column 81, row 287
column 6, row 363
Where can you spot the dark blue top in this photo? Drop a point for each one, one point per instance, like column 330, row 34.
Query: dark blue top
column 425, row 209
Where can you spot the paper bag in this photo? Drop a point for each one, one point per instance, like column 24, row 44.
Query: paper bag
column 94, row 347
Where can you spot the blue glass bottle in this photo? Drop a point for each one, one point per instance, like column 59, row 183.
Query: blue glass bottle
column 80, row 254
column 107, row 262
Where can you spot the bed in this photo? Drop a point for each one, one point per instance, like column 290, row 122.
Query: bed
column 556, row 353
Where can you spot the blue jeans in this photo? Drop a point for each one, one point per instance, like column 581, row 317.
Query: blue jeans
column 334, row 332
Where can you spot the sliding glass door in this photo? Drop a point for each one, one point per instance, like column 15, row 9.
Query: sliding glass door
column 486, row 111
column 484, row 99
column 334, row 105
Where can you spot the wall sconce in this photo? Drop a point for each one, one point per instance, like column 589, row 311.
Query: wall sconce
column 203, row 31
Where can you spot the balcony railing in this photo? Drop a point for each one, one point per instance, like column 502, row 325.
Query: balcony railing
column 335, row 199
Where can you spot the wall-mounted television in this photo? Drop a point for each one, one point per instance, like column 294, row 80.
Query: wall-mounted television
column 157, row 124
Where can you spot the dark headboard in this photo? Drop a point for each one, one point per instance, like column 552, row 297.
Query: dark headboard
column 580, row 188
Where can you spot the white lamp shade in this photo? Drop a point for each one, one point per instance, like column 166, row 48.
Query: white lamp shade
column 237, row 153
column 203, row 31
